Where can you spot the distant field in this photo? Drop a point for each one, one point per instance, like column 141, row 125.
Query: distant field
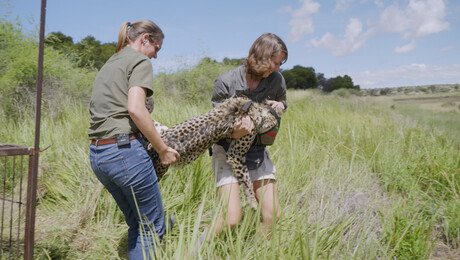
column 443, row 103
column 434, row 111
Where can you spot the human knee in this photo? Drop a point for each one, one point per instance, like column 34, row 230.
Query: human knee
column 233, row 218
column 269, row 215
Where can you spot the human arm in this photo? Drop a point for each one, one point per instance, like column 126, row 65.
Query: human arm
column 279, row 98
column 141, row 117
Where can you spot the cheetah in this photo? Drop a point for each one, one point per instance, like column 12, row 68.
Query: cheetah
column 196, row 135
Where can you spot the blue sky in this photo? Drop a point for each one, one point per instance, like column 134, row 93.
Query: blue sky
column 379, row 43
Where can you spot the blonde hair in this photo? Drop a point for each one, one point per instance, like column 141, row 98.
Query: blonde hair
column 130, row 31
column 261, row 52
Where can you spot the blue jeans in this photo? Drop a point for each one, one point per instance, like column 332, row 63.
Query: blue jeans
column 128, row 174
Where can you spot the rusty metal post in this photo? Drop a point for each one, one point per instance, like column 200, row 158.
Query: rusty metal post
column 30, row 209
column 33, row 159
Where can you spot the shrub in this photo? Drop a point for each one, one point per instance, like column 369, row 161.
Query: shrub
column 192, row 84
column 341, row 92
column 18, row 74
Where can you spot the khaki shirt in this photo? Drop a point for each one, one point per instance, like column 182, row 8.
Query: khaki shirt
column 233, row 84
column 109, row 100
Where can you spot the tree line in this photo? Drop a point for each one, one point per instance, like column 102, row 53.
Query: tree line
column 91, row 53
column 88, row 53
column 300, row 77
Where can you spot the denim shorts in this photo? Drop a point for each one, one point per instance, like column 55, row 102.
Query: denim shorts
column 128, row 174
column 223, row 171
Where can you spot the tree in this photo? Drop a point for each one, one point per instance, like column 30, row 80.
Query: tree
column 339, row 82
column 321, row 80
column 88, row 53
column 328, row 85
column 92, row 53
column 300, row 77
column 233, row 62
column 60, row 42
column 205, row 61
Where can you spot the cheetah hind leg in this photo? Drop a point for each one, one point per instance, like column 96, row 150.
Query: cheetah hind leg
column 248, row 187
column 160, row 169
column 160, row 127
column 241, row 172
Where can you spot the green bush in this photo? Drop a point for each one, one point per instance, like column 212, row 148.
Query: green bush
column 62, row 80
column 346, row 92
column 191, row 84
column 341, row 92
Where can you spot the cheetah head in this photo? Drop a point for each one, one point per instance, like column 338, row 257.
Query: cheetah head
column 263, row 117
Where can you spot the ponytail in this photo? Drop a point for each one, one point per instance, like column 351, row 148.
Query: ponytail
column 123, row 36
column 130, row 31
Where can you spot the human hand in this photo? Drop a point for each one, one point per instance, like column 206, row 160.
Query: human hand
column 169, row 156
column 242, row 127
column 274, row 104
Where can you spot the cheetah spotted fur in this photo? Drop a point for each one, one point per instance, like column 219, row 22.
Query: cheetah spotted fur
column 194, row 136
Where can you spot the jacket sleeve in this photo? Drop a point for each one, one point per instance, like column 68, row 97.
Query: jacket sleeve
column 281, row 93
column 220, row 92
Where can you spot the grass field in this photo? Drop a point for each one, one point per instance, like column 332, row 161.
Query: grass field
column 356, row 180
column 440, row 112
column 372, row 177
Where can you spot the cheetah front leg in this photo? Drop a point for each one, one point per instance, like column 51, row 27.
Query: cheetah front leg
column 235, row 158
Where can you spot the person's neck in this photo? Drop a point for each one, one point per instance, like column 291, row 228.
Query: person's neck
column 252, row 83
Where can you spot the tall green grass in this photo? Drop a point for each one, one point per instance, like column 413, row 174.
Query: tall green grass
column 355, row 181
column 443, row 122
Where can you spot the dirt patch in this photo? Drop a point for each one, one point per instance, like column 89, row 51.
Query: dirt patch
column 443, row 252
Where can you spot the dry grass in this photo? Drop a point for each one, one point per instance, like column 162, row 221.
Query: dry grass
column 444, row 103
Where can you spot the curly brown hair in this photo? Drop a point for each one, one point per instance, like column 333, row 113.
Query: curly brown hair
column 261, row 52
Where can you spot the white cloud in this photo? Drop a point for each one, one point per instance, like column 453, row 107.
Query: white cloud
column 418, row 19
column 343, row 4
column 392, row 19
column 301, row 22
column 447, row 48
column 405, row 48
column 378, row 3
column 353, row 39
column 408, row 75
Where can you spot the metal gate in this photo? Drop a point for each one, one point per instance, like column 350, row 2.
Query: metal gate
column 17, row 201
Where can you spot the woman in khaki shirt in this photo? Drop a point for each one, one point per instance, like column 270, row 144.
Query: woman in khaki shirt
column 118, row 117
